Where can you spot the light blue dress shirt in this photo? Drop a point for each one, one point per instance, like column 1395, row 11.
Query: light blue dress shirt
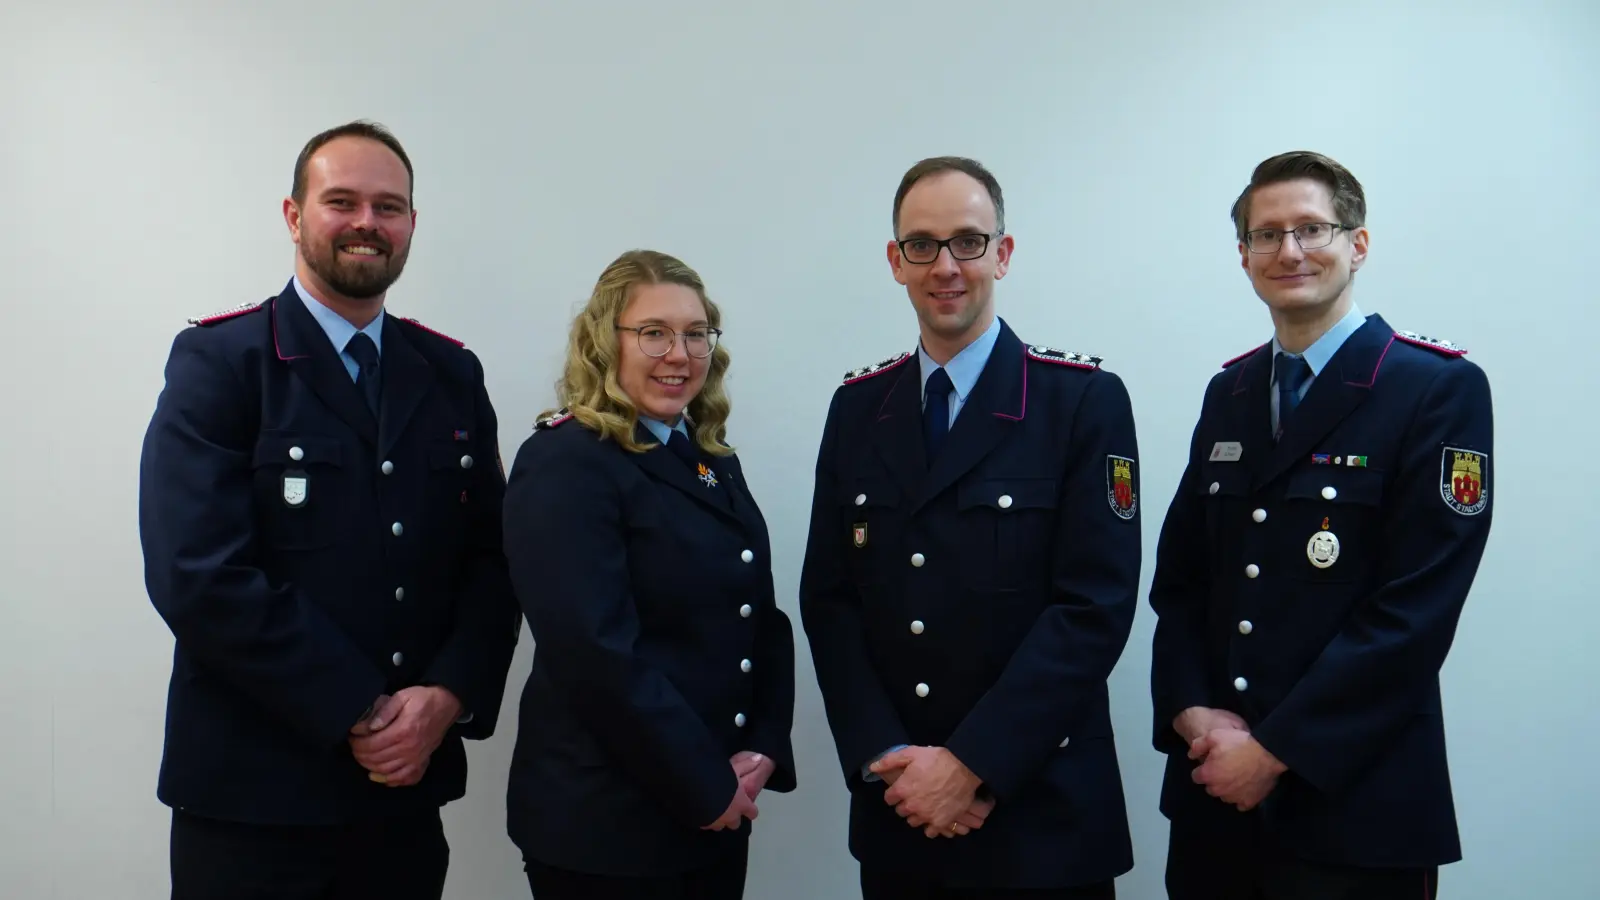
column 1317, row 355
column 662, row 430
column 963, row 368
column 339, row 330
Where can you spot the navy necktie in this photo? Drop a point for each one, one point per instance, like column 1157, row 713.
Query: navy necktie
column 684, row 448
column 365, row 353
column 936, row 412
column 1291, row 372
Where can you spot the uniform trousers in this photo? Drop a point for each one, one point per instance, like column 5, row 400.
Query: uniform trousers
column 400, row 858
column 722, row 880
column 879, row 884
column 1240, row 864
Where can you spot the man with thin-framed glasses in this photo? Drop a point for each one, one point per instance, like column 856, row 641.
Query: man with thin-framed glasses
column 970, row 580
column 1311, row 571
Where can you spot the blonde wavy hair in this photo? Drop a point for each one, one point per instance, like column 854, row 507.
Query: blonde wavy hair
column 588, row 388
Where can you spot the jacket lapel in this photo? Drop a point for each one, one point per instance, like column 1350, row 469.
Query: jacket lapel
column 990, row 413
column 1250, row 410
column 301, row 342
column 1341, row 387
column 897, row 432
column 664, row 465
column 407, row 378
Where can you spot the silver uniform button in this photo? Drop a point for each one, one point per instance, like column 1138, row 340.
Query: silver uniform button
column 1328, row 493
column 744, row 611
column 1005, row 501
column 466, row 462
column 398, row 658
column 296, row 454
column 738, row 719
column 1239, row 684
column 1252, row 570
column 861, row 499
column 916, row 626
column 1215, row 487
column 399, row 593
column 1245, row 627
column 398, row 529
column 1064, row 741
column 388, row 467
column 917, row 559
column 1259, row 515
column 747, row 556
column 744, row 665
column 922, row 690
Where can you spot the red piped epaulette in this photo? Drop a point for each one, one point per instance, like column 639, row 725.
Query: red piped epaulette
column 433, row 332
column 226, row 314
column 1251, row 352
column 865, row 372
column 1438, row 345
column 1064, row 357
column 553, row 419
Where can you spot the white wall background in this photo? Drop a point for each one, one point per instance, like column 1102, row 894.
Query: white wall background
column 144, row 150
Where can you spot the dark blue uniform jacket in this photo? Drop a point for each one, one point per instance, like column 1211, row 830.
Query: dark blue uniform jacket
column 980, row 605
column 660, row 652
column 309, row 557
column 1313, row 586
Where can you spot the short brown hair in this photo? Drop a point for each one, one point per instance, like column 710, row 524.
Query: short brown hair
column 362, row 129
column 936, row 164
column 1349, row 202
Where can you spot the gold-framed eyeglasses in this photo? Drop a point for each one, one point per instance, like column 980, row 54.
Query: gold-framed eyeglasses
column 924, row 250
column 1310, row 236
column 657, row 340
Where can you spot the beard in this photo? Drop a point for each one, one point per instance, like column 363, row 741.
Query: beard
column 356, row 277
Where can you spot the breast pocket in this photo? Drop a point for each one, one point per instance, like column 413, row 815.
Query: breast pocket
column 1010, row 524
column 870, row 526
column 1331, row 523
column 302, row 490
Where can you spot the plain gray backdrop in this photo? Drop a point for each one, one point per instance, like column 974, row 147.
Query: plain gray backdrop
column 145, row 149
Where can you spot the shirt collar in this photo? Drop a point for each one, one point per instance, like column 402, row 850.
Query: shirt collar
column 336, row 327
column 965, row 367
column 1322, row 350
column 662, row 430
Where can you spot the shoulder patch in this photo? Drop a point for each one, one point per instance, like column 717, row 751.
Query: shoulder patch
column 227, row 314
column 865, row 372
column 1248, row 353
column 1064, row 357
column 438, row 334
column 1439, row 345
column 552, row 420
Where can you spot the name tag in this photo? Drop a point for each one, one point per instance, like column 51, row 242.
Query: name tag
column 1226, row 451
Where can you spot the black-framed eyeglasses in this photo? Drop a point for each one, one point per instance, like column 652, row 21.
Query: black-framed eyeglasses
column 923, row 250
column 1310, row 236
column 657, row 340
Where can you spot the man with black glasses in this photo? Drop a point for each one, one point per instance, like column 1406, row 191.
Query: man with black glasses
column 970, row 580
column 1311, row 571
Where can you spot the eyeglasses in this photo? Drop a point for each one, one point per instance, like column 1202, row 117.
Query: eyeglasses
column 922, row 251
column 1310, row 236
column 657, row 340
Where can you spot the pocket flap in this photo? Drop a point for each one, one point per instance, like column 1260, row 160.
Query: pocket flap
column 1337, row 484
column 298, row 450
column 1007, row 494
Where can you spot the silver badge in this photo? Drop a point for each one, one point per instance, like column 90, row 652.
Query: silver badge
column 1323, row 549
column 296, row 489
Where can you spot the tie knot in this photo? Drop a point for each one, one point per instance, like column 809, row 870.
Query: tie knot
column 363, row 351
column 680, row 444
column 1292, row 371
column 938, row 383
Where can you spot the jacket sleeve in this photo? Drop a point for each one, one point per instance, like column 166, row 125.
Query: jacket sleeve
column 1375, row 673
column 264, row 637
column 476, row 655
column 1076, row 642
column 862, row 718
column 1179, row 594
column 774, row 697
column 566, row 542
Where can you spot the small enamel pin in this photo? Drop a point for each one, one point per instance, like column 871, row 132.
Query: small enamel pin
column 707, row 476
column 1323, row 548
column 858, row 534
column 296, row 488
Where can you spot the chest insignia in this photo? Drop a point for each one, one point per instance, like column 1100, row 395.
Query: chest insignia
column 1323, row 548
